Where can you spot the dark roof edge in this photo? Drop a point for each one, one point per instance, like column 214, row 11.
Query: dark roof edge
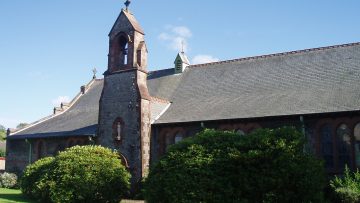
column 262, row 117
column 276, row 54
column 70, row 104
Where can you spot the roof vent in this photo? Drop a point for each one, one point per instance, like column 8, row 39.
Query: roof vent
column 82, row 89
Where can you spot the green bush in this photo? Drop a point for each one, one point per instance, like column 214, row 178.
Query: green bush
column 8, row 180
column 79, row 174
column 347, row 188
column 214, row 166
column 35, row 181
column 2, row 153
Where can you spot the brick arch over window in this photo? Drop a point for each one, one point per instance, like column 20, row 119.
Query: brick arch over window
column 167, row 137
column 124, row 161
column 342, row 140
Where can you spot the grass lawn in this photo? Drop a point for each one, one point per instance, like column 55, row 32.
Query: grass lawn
column 11, row 196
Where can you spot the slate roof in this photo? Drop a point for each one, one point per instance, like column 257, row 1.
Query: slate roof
column 309, row 81
column 80, row 119
column 301, row 82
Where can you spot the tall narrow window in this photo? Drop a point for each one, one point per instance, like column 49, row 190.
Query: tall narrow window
column 118, row 129
column 40, row 149
column 357, row 144
column 327, row 146
column 168, row 141
column 343, row 145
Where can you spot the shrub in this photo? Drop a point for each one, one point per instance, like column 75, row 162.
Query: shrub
column 35, row 181
column 8, row 180
column 2, row 153
column 347, row 188
column 215, row 166
column 88, row 174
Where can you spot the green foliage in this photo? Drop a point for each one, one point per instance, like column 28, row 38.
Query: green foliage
column 347, row 188
column 8, row 180
column 35, row 182
column 214, row 166
column 2, row 153
column 2, row 133
column 79, row 174
column 89, row 174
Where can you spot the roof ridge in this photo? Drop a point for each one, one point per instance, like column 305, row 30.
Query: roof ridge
column 69, row 105
column 277, row 54
column 158, row 99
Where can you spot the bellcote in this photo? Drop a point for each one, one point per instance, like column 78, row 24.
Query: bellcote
column 181, row 62
column 127, row 48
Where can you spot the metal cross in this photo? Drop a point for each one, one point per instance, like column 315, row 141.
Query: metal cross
column 127, row 4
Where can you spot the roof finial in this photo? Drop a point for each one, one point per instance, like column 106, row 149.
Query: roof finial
column 94, row 72
column 127, row 4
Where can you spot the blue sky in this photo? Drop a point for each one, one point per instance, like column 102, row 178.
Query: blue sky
column 48, row 48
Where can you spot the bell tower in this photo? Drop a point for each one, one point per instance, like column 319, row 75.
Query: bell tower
column 124, row 106
column 127, row 48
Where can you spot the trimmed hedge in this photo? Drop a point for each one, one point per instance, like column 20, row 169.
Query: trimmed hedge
column 79, row 174
column 214, row 166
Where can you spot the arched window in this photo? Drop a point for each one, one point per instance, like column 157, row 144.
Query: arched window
column 123, row 57
column 240, row 132
column 327, row 146
column 344, row 145
column 357, row 144
column 178, row 137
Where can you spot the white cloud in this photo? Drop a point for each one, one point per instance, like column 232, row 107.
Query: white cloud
column 176, row 37
column 198, row 59
column 60, row 99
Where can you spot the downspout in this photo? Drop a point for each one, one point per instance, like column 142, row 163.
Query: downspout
column 303, row 132
column 30, row 150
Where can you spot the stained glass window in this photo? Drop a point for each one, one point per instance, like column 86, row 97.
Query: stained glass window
column 343, row 145
column 327, row 146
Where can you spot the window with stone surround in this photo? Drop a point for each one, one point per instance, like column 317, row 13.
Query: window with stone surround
column 326, row 147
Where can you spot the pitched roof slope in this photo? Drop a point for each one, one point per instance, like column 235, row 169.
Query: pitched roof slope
column 301, row 82
column 80, row 119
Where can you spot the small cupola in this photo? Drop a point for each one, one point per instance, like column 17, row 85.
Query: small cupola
column 181, row 62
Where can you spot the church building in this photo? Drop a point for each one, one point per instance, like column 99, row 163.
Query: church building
column 140, row 113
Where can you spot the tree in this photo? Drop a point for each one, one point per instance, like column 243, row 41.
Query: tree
column 268, row 165
column 2, row 132
column 21, row 125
